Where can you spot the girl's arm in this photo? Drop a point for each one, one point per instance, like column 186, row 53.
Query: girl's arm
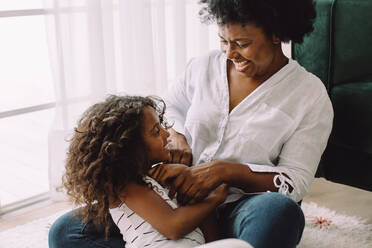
column 210, row 229
column 172, row 223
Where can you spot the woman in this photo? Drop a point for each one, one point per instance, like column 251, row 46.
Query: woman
column 253, row 118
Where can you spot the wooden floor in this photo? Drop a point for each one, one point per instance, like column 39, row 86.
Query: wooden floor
column 24, row 156
column 31, row 213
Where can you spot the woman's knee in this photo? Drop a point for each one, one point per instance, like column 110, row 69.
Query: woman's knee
column 274, row 206
column 268, row 215
column 283, row 207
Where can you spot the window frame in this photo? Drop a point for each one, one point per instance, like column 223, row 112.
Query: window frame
column 7, row 208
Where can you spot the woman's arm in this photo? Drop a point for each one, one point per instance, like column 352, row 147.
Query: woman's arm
column 194, row 183
column 179, row 149
column 172, row 223
column 178, row 101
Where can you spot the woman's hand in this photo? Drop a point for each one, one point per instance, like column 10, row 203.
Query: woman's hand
column 179, row 149
column 165, row 173
column 197, row 182
column 219, row 194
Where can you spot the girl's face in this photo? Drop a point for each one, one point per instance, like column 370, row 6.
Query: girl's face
column 155, row 137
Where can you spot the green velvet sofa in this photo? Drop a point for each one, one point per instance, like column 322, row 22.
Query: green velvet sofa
column 339, row 52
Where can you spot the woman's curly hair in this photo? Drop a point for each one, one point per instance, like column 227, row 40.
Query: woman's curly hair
column 289, row 20
column 106, row 152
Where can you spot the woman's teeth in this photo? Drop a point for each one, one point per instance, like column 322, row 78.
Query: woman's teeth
column 244, row 62
column 242, row 65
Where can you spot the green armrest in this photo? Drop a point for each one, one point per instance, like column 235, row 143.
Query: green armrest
column 339, row 52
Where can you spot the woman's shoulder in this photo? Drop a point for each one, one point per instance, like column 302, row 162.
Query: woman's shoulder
column 307, row 81
column 210, row 63
column 297, row 91
column 210, row 58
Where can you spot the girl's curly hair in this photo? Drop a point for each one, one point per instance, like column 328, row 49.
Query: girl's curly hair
column 106, row 152
column 289, row 20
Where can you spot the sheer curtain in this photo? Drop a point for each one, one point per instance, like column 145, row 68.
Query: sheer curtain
column 101, row 47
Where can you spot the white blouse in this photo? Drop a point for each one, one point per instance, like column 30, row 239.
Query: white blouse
column 282, row 126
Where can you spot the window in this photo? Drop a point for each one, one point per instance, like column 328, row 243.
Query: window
column 26, row 102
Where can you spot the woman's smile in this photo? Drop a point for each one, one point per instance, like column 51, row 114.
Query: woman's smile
column 241, row 65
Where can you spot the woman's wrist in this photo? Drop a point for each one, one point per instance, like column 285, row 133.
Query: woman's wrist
column 228, row 172
column 221, row 170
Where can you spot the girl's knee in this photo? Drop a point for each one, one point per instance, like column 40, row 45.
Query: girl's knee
column 63, row 228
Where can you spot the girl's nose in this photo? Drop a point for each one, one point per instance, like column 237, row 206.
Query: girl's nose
column 165, row 133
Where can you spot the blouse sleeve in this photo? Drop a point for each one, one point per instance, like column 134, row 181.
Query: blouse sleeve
column 178, row 100
column 300, row 155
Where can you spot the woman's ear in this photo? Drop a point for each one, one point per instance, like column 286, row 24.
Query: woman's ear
column 275, row 39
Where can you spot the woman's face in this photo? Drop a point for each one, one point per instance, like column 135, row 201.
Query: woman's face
column 155, row 137
column 249, row 49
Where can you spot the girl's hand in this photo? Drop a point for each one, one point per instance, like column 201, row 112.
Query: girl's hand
column 166, row 173
column 180, row 151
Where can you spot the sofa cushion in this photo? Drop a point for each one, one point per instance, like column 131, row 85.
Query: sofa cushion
column 352, row 104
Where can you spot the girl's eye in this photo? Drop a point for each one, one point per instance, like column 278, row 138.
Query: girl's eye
column 223, row 42
column 157, row 131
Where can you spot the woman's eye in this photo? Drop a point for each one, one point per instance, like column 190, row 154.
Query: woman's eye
column 223, row 41
column 243, row 45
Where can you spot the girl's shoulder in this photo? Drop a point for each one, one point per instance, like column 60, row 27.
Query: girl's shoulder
column 137, row 191
column 160, row 190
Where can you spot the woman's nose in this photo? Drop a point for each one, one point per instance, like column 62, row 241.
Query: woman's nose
column 230, row 51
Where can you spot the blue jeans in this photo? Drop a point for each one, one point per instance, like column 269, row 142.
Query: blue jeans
column 267, row 220
column 69, row 231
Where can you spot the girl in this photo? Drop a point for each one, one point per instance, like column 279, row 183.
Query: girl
column 112, row 149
